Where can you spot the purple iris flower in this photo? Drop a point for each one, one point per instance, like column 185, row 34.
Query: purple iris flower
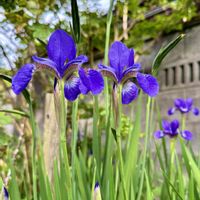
column 171, row 129
column 122, row 68
column 62, row 61
column 184, row 106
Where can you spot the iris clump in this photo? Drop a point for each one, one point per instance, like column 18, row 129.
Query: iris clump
column 63, row 63
column 183, row 106
column 172, row 130
column 123, row 68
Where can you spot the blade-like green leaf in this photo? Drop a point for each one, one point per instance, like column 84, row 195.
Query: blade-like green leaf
column 193, row 166
column 13, row 186
column 16, row 112
column 75, row 20
column 163, row 52
column 191, row 187
column 132, row 151
column 149, row 194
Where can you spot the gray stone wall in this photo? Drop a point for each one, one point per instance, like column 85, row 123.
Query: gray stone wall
column 180, row 75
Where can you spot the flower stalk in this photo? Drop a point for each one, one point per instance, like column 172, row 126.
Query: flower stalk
column 117, row 107
column 33, row 127
column 63, row 142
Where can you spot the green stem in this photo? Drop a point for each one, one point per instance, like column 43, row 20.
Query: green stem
column 33, row 127
column 172, row 157
column 118, row 114
column 108, row 25
column 96, row 142
column 145, row 147
column 74, row 141
column 183, row 119
column 62, row 128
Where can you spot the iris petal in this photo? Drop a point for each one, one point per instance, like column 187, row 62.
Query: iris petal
column 189, row 103
column 148, row 84
column 46, row 63
column 166, row 126
column 83, row 78
column 171, row 111
column 131, row 57
column 196, row 111
column 92, row 81
column 159, row 134
column 108, row 71
column 134, row 68
column 119, row 57
column 181, row 105
column 78, row 60
column 61, row 47
column 174, row 126
column 129, row 92
column 96, row 81
column 22, row 78
column 187, row 135
column 71, row 89
column 72, row 65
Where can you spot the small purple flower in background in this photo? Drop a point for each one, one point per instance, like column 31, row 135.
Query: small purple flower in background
column 62, row 61
column 5, row 192
column 97, row 193
column 122, row 68
column 171, row 129
column 184, row 106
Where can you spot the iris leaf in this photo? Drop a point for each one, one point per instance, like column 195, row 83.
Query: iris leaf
column 163, row 52
column 16, row 112
column 75, row 20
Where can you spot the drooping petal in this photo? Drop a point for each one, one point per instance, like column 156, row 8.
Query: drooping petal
column 148, row 83
column 131, row 57
column 96, row 81
column 72, row 65
column 195, row 111
column 119, row 57
column 108, row 72
column 61, row 47
column 22, row 78
column 187, row 135
column 159, row 134
column 45, row 63
column 71, row 89
column 171, row 111
column 129, row 92
column 174, row 126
